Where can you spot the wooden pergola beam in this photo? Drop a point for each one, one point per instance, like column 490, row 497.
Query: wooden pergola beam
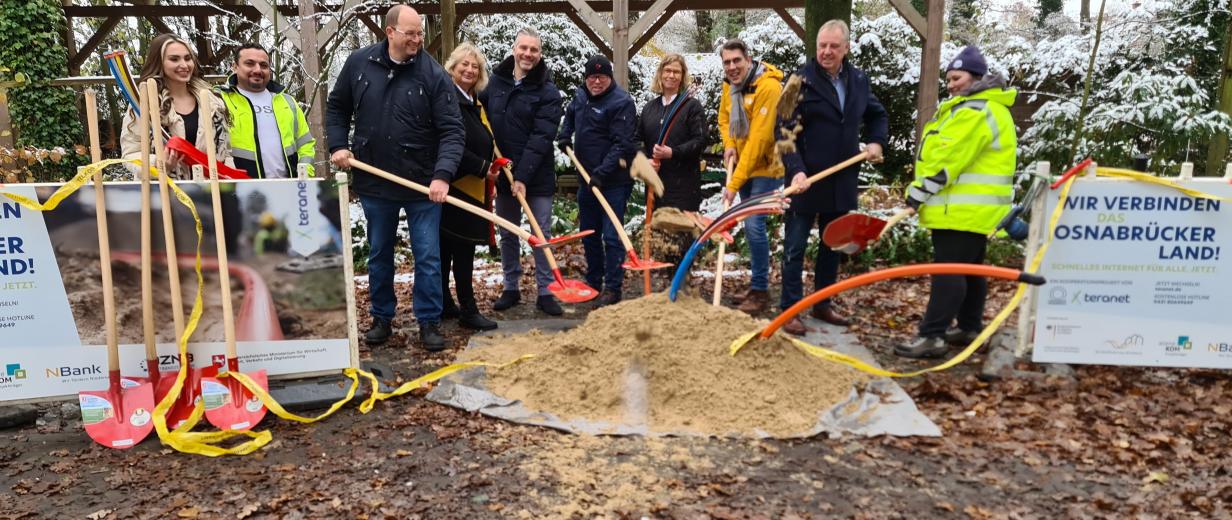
column 104, row 30
column 430, row 8
column 913, row 17
column 792, row 23
column 650, row 32
column 594, row 37
column 929, row 91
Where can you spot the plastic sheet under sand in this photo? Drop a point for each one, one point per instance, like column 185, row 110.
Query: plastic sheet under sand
column 654, row 367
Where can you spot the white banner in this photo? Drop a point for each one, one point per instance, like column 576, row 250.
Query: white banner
column 1135, row 277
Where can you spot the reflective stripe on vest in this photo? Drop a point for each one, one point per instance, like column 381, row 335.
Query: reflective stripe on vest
column 986, row 200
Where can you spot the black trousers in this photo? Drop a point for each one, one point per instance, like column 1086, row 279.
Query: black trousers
column 955, row 296
column 458, row 257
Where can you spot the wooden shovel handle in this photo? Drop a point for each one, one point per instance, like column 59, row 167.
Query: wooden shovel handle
column 205, row 106
column 898, row 217
column 530, row 216
column 718, row 266
column 620, row 228
column 164, row 197
column 104, row 241
column 827, row 172
column 147, row 271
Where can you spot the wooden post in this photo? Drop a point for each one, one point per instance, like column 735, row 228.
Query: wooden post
column 6, row 125
column 312, row 79
column 930, row 65
column 620, row 42
column 449, row 29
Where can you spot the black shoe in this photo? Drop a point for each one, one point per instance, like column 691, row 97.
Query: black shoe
column 547, row 303
column 608, row 297
column 379, row 333
column 923, row 348
column 430, row 336
column 507, row 299
column 476, row 321
column 960, row 337
column 450, row 309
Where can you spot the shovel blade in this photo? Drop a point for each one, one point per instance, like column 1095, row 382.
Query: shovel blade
column 190, row 395
column 571, row 291
column 118, row 418
column 230, row 406
column 564, row 239
column 851, row 233
column 639, row 264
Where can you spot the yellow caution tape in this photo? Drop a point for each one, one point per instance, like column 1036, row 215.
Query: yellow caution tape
column 1122, row 173
column 377, row 395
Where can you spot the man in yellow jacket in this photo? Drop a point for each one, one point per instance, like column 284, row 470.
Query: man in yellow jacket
column 751, row 91
column 269, row 134
column 964, row 186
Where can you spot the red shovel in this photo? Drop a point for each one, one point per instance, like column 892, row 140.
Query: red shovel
column 853, row 232
column 121, row 416
column 633, row 262
column 228, row 405
column 569, row 291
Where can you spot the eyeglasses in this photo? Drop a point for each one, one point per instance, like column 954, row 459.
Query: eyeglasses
column 409, row 34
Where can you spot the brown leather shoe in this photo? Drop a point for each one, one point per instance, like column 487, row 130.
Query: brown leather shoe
column 829, row 316
column 755, row 303
column 795, row 327
column 738, row 298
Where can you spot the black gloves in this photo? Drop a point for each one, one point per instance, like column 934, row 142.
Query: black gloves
column 562, row 144
column 596, row 183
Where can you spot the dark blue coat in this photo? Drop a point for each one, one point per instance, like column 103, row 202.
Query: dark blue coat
column 831, row 136
column 524, row 118
column 601, row 129
column 406, row 120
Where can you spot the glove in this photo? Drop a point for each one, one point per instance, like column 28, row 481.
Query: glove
column 499, row 164
column 561, row 145
column 596, row 183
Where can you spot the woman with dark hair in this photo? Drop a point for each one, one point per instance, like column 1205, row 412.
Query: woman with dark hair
column 172, row 63
column 462, row 231
column 678, row 154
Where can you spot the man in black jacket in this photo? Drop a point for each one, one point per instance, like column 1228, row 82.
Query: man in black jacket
column 837, row 108
column 600, row 122
column 524, row 108
column 406, row 119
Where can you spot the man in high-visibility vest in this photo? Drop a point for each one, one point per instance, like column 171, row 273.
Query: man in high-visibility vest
column 269, row 134
column 964, row 185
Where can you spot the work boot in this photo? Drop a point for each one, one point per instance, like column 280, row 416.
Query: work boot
column 430, row 336
column 547, row 303
column 738, row 298
column 755, row 303
column 450, row 309
column 923, row 348
column 379, row 333
column 959, row 337
column 795, row 327
column 507, row 299
column 828, row 315
column 608, row 297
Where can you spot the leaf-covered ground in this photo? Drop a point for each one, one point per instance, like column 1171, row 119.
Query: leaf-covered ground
column 1108, row 442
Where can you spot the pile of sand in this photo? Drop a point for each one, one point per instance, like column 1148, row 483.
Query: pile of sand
column 665, row 365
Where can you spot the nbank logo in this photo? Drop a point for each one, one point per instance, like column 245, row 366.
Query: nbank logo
column 12, row 372
column 67, row 371
column 1224, row 348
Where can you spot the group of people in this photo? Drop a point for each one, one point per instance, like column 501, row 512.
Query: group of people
column 488, row 137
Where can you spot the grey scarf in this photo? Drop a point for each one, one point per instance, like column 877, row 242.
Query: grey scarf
column 738, row 124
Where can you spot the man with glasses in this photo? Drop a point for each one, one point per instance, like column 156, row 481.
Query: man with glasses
column 403, row 108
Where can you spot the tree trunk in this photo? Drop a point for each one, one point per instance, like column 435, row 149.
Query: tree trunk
column 703, row 39
column 818, row 12
column 1217, row 153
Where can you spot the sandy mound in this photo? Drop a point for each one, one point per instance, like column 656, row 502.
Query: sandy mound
column 665, row 365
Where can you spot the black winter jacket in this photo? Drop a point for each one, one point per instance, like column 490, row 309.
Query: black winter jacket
column 831, row 136
column 470, row 184
column 405, row 117
column 524, row 118
column 601, row 131
column 682, row 178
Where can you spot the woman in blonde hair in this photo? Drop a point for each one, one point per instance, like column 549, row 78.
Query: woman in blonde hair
column 173, row 64
column 473, row 182
column 673, row 134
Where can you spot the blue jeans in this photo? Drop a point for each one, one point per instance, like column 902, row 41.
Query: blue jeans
column 797, row 229
column 604, row 251
column 508, row 208
column 755, row 232
column 423, row 217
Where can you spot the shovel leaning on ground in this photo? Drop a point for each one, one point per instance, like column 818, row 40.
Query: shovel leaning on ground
column 121, row 416
column 633, row 262
column 569, row 291
column 533, row 240
column 229, row 405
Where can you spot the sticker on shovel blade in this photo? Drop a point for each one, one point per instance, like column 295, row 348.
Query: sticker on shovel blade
column 253, row 405
column 141, row 417
column 214, row 394
column 127, row 383
column 95, row 409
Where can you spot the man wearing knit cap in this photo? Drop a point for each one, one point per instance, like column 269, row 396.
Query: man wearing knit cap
column 837, row 111
column 599, row 125
column 751, row 90
column 964, row 185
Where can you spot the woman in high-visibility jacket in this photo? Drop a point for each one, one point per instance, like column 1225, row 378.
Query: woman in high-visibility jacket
column 964, row 185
